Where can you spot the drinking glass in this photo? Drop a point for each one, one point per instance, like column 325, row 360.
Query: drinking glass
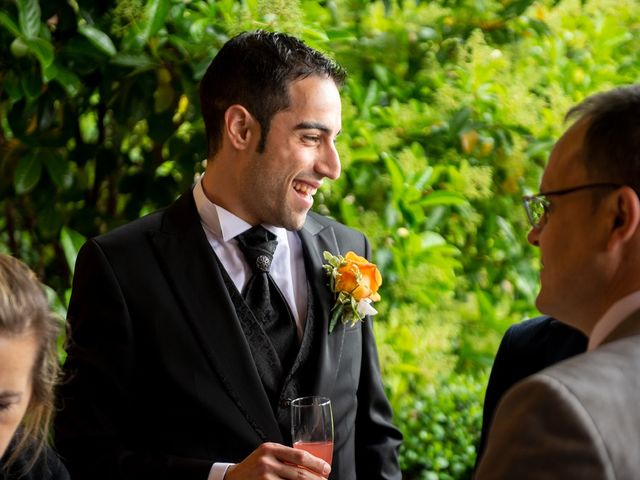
column 312, row 426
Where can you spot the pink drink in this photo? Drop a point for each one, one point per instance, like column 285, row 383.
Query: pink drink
column 323, row 450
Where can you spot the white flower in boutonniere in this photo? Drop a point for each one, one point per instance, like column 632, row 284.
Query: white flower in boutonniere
column 355, row 281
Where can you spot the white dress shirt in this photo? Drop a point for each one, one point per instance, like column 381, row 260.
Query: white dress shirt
column 615, row 315
column 287, row 267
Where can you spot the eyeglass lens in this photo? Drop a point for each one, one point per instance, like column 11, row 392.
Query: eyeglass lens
column 537, row 209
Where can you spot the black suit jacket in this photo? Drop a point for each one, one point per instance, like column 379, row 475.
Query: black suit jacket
column 160, row 381
column 526, row 348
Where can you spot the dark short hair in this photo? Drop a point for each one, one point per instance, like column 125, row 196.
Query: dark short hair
column 24, row 310
column 254, row 69
column 611, row 149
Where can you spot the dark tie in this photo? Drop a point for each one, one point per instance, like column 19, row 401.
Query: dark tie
column 263, row 296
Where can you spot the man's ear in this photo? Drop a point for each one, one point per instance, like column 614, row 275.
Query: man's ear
column 626, row 216
column 241, row 128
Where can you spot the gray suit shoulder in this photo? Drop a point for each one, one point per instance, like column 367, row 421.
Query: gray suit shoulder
column 321, row 220
column 542, row 430
column 605, row 385
column 316, row 222
column 606, row 364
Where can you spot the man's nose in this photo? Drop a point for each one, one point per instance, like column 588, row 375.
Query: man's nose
column 329, row 164
column 533, row 237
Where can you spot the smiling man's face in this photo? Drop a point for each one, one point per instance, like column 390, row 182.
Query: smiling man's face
column 279, row 183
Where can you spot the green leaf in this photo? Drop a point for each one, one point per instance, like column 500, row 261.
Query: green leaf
column 425, row 178
column 18, row 47
column 29, row 17
column 27, row 172
column 381, row 73
column 9, row 24
column 22, row 114
column 50, row 220
column 31, row 86
column 54, row 303
column 156, row 13
column 12, row 86
column 364, row 154
column 442, row 197
column 431, row 240
column 396, row 175
column 336, row 313
column 310, row 33
column 42, row 49
column 486, row 306
column 57, row 166
column 459, row 120
column 99, row 39
column 71, row 242
column 69, row 80
column 513, row 9
column 343, row 34
column 140, row 61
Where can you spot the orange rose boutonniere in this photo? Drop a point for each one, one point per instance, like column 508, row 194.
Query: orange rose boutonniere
column 355, row 281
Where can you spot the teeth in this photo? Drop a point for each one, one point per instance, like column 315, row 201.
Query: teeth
column 304, row 188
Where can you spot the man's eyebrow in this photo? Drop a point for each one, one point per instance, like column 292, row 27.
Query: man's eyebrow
column 314, row 126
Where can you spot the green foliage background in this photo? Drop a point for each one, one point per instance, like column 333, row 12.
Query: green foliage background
column 449, row 113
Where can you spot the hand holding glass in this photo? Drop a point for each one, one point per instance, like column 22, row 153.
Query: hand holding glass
column 312, row 426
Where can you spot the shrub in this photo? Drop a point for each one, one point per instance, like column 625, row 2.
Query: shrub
column 439, row 427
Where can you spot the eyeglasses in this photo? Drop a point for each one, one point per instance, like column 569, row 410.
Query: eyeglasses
column 537, row 206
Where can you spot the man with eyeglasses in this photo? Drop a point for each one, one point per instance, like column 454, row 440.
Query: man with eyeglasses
column 579, row 418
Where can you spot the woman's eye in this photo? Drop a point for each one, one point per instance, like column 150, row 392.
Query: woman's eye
column 7, row 402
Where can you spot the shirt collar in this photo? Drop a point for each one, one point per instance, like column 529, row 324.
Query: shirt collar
column 224, row 224
column 614, row 316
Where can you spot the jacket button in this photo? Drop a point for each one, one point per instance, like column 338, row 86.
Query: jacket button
column 285, row 402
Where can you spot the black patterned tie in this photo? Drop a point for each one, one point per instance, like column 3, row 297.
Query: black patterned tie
column 263, row 296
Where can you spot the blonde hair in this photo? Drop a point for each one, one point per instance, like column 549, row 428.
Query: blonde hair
column 24, row 310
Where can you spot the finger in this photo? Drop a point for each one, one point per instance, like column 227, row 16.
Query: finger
column 312, row 464
column 296, row 472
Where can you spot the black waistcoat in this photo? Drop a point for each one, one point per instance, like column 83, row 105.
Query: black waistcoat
column 281, row 387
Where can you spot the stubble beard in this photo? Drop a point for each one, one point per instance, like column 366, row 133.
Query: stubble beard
column 274, row 208
column 291, row 220
column 278, row 212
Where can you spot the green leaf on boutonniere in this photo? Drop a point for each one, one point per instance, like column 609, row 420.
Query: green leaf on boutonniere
column 336, row 313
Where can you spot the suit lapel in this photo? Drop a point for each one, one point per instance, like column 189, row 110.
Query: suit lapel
column 317, row 238
column 195, row 276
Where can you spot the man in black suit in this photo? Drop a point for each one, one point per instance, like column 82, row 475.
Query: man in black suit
column 173, row 368
column 526, row 348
